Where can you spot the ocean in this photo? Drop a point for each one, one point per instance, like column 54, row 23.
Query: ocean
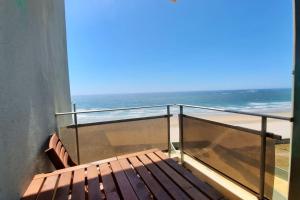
column 254, row 100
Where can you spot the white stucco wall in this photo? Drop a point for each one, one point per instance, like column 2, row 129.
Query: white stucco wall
column 34, row 84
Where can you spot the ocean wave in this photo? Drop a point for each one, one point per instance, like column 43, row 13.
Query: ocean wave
column 261, row 107
column 255, row 107
column 118, row 115
column 283, row 104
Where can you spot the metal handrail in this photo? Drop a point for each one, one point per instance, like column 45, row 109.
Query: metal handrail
column 184, row 105
column 113, row 109
column 238, row 112
column 118, row 121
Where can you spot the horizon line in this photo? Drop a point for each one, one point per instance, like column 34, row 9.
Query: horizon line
column 182, row 91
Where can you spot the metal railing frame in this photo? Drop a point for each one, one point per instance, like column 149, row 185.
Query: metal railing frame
column 238, row 112
column 263, row 134
column 264, row 118
column 76, row 125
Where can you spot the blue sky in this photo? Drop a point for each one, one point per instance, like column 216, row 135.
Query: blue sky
column 129, row 46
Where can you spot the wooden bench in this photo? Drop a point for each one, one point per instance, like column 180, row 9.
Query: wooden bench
column 58, row 154
column 143, row 175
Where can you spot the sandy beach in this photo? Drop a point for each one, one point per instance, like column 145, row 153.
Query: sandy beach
column 278, row 127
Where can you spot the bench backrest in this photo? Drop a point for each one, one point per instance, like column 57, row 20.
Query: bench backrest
column 58, row 154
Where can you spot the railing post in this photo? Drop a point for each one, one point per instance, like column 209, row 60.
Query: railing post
column 181, row 133
column 263, row 157
column 76, row 133
column 169, row 131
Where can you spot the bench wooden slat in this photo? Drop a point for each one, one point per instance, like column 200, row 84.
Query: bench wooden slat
column 60, row 171
column 65, row 159
column 113, row 196
column 166, row 182
column 53, row 142
column 63, row 186
column 152, row 184
column 123, row 182
column 136, row 153
column 33, row 189
column 62, row 152
column 78, row 185
column 179, row 180
column 93, row 183
column 137, row 184
column 58, row 148
column 207, row 189
column 48, row 188
column 108, row 182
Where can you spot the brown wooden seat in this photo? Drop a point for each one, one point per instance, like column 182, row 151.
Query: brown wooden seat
column 58, row 154
column 142, row 175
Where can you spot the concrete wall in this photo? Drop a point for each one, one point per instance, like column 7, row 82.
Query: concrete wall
column 34, row 85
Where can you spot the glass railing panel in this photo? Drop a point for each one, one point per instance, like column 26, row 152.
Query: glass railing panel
column 233, row 151
column 102, row 140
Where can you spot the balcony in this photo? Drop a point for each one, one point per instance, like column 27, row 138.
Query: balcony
column 240, row 162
